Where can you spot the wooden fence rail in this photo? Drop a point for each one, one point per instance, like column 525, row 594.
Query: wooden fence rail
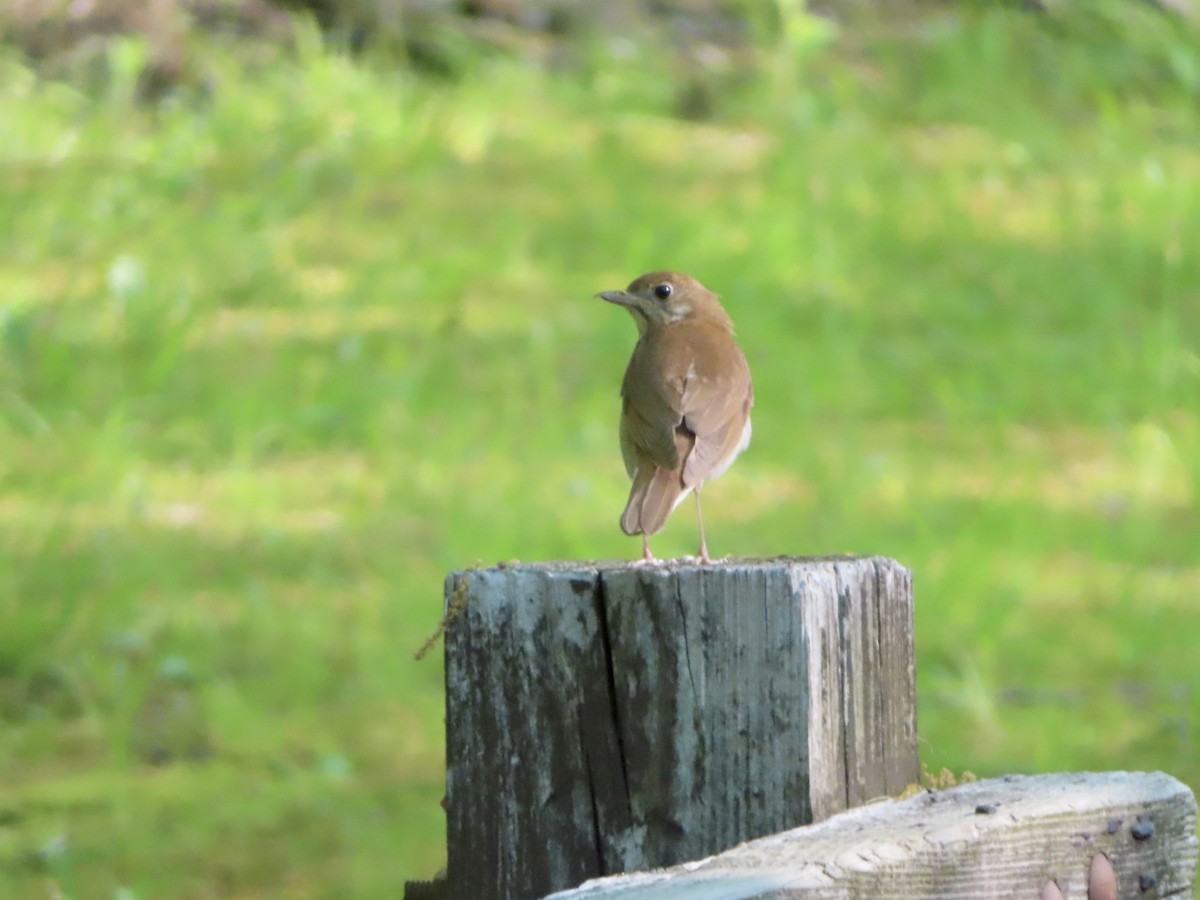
column 1107, row 836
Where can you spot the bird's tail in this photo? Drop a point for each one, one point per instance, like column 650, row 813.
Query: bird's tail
column 651, row 501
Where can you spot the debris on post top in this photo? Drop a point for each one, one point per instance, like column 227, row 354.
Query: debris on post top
column 603, row 718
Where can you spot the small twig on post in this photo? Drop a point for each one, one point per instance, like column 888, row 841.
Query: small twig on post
column 456, row 602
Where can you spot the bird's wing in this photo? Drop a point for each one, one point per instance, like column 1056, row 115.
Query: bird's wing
column 629, row 449
column 651, row 410
column 714, row 451
column 653, row 442
column 716, row 401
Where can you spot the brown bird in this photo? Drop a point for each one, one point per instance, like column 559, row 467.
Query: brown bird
column 685, row 400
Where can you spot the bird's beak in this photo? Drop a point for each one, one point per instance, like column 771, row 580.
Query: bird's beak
column 621, row 298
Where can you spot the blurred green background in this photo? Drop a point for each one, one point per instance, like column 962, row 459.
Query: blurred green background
column 296, row 316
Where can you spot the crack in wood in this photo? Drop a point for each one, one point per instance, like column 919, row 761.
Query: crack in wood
column 885, row 741
column 610, row 676
column 687, row 644
column 597, row 833
column 844, row 678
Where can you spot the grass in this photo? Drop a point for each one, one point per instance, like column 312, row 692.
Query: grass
column 275, row 359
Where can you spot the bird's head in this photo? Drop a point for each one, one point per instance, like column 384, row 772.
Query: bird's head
column 661, row 298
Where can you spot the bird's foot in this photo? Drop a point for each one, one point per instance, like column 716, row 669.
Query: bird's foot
column 648, row 558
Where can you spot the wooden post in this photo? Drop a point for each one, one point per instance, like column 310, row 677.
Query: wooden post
column 1105, row 836
column 607, row 718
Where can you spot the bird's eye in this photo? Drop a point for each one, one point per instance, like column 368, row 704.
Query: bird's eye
column 662, row 291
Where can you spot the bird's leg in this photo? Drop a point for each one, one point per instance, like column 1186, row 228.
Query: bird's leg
column 704, row 560
column 647, row 556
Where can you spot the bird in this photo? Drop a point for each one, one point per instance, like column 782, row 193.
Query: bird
column 685, row 399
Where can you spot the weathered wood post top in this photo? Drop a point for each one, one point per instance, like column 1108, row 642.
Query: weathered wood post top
column 603, row 718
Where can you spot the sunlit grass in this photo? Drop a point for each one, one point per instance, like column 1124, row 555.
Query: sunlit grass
column 274, row 361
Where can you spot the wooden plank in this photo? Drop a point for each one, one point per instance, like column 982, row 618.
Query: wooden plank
column 527, row 785
column 1102, row 836
column 898, row 669
column 608, row 718
column 859, row 655
column 817, row 588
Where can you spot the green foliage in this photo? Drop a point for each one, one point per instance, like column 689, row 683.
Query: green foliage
column 277, row 356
